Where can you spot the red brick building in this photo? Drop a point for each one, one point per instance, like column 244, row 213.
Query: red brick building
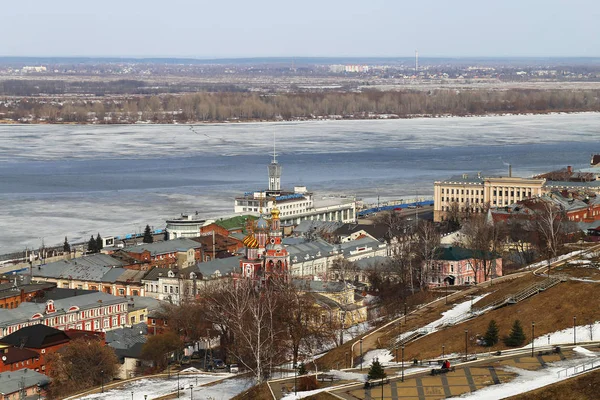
column 12, row 293
column 180, row 253
column 218, row 246
column 13, row 358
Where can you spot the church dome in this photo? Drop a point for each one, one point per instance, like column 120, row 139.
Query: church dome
column 261, row 223
column 250, row 241
column 275, row 212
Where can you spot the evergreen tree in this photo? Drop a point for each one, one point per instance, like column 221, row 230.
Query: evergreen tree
column 99, row 244
column 91, row 245
column 148, row 238
column 301, row 369
column 376, row 371
column 66, row 246
column 491, row 336
column 516, row 337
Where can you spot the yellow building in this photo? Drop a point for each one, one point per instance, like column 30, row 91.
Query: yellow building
column 477, row 193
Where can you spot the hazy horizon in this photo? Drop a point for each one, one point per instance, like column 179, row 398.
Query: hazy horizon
column 267, row 28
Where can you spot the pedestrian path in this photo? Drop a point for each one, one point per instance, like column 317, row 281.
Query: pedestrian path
column 471, row 377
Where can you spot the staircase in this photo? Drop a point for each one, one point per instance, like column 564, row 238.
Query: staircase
column 524, row 293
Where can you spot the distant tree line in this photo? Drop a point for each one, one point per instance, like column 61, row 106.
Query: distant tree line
column 215, row 107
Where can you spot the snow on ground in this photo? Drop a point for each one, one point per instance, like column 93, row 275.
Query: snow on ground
column 223, row 390
column 154, row 387
column 383, row 355
column 584, row 280
column 356, row 330
column 456, row 314
column 559, row 258
column 301, row 395
column 580, row 262
column 583, row 333
column 348, row 376
column 526, row 381
column 585, row 352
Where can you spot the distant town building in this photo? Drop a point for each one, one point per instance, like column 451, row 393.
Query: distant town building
column 187, row 226
column 297, row 206
column 23, row 384
column 91, row 312
column 459, row 266
column 473, row 194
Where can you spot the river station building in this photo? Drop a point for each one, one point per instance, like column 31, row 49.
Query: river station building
column 297, row 205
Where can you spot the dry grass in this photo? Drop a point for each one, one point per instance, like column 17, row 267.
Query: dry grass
column 257, row 392
column 580, row 272
column 322, row 396
column 583, row 387
column 499, row 291
column 551, row 310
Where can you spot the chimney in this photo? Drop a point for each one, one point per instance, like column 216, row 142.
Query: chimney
column 509, row 170
column 569, row 169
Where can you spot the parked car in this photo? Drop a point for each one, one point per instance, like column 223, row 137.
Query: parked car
column 234, row 368
column 185, row 360
column 219, row 364
column 196, row 355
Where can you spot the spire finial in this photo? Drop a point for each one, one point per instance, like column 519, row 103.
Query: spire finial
column 274, row 153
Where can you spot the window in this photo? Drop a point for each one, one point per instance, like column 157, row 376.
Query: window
column 153, row 321
column 132, row 319
column 121, row 292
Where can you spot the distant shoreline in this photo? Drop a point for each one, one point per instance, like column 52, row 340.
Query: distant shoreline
column 381, row 117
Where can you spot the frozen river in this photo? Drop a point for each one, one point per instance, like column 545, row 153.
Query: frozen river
column 68, row 180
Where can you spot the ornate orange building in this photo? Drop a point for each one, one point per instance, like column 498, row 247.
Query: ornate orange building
column 265, row 256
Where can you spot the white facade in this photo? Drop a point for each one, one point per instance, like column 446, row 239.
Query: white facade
column 185, row 227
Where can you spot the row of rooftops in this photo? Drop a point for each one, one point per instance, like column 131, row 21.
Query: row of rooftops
column 565, row 177
column 27, row 310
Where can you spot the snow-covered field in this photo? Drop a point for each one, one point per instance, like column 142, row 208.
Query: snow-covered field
column 155, row 387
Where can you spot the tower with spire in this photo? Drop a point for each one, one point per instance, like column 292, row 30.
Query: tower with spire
column 274, row 172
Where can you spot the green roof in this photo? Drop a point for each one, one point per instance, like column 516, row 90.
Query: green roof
column 459, row 253
column 236, row 222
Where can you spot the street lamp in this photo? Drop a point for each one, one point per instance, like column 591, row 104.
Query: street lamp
column 191, row 393
column 402, row 363
column 443, row 348
column 102, row 379
column 177, row 384
column 361, row 353
column 295, row 375
column 396, row 353
column 532, row 336
column 131, row 395
column 145, row 397
column 346, row 359
column 466, row 344
column 574, row 331
column 446, row 284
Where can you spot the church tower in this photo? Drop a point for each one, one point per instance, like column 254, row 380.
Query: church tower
column 274, row 172
column 277, row 258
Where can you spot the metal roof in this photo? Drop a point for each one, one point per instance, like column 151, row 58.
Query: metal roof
column 12, row 381
column 168, row 246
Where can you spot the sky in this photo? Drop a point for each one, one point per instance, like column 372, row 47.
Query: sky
column 307, row 28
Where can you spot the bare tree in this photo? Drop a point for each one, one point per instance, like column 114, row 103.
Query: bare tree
column 549, row 226
column 253, row 318
column 428, row 240
column 482, row 237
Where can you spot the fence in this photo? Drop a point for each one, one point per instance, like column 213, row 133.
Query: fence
column 578, row 369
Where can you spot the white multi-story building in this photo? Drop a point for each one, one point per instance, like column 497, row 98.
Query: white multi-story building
column 297, row 206
column 186, row 226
